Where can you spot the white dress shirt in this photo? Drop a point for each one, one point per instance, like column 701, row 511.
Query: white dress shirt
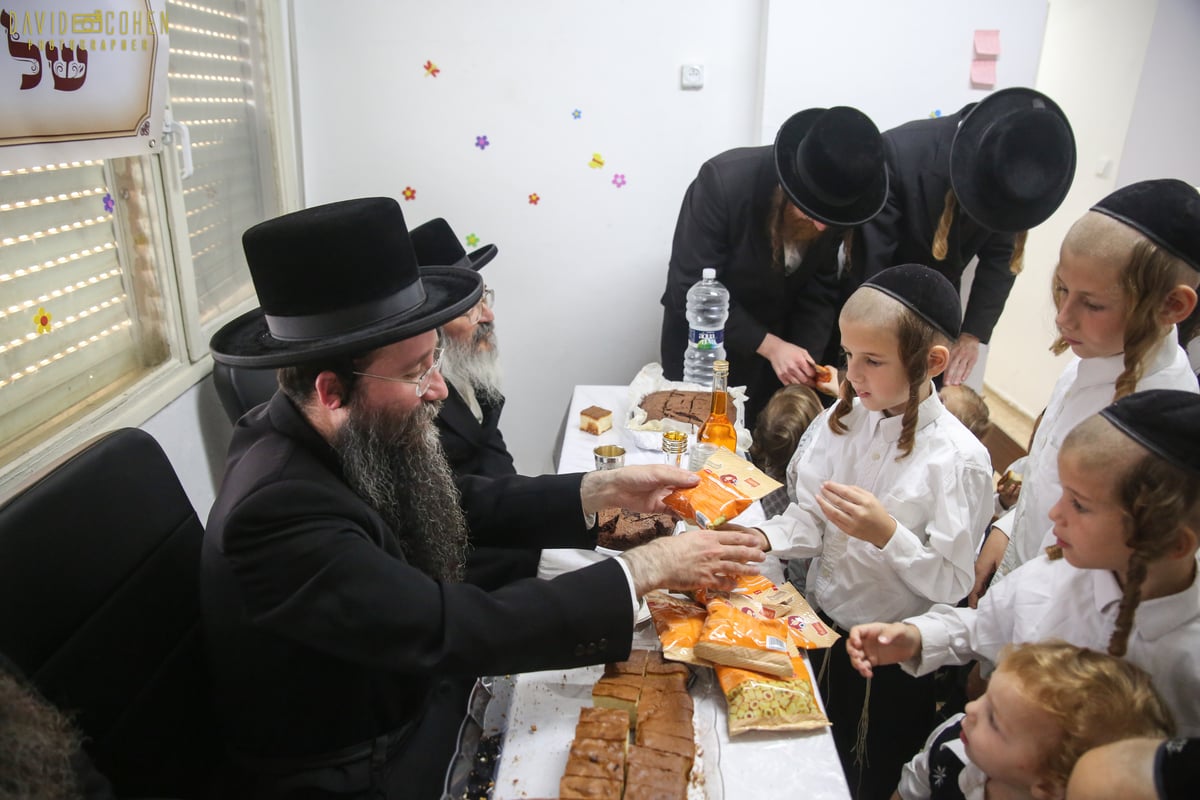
column 917, row 784
column 940, row 496
column 1085, row 387
column 1046, row 599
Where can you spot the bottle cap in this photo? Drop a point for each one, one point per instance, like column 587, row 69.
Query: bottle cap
column 708, row 274
column 720, row 365
column 674, row 442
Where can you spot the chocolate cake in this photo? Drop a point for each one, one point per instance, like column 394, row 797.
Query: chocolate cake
column 621, row 529
column 690, row 407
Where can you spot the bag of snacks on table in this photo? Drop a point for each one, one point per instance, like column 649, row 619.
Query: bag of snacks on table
column 737, row 634
column 761, row 702
column 678, row 623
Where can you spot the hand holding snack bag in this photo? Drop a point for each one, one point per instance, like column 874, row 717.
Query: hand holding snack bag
column 729, row 484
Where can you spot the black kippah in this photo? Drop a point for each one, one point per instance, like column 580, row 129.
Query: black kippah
column 926, row 291
column 1164, row 421
column 1166, row 211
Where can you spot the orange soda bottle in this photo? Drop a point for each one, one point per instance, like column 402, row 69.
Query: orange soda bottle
column 717, row 429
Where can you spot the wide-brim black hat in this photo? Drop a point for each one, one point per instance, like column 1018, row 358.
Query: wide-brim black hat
column 926, row 292
column 1012, row 160
column 338, row 279
column 830, row 164
column 1164, row 421
column 1166, row 211
column 435, row 243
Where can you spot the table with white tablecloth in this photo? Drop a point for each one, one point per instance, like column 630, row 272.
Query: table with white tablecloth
column 752, row 766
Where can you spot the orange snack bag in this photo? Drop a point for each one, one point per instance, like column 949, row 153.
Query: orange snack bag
column 710, row 503
column 760, row 702
column 678, row 623
column 741, row 637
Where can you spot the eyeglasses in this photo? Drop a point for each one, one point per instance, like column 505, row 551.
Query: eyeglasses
column 422, row 381
column 476, row 313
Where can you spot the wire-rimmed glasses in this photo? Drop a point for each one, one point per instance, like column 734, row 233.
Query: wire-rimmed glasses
column 422, row 381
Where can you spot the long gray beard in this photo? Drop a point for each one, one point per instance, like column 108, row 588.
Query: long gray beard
column 36, row 746
column 478, row 366
column 396, row 464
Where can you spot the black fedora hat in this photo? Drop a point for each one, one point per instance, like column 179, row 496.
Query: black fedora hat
column 830, row 163
column 337, row 279
column 1012, row 160
column 435, row 243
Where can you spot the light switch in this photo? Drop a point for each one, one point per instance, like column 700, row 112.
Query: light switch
column 691, row 76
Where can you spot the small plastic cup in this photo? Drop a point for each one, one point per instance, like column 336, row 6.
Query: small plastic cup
column 609, row 456
column 699, row 455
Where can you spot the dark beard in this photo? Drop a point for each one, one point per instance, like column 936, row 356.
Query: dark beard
column 396, row 464
column 787, row 229
column 477, row 365
column 36, row 746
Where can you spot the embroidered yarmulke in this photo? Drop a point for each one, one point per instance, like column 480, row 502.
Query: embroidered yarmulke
column 1164, row 421
column 927, row 292
column 1166, row 211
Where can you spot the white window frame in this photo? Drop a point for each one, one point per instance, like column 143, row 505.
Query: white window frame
column 190, row 360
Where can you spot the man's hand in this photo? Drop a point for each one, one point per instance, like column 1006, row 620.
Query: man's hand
column 638, row 488
column 856, row 512
column 963, row 356
column 693, row 560
column 990, row 556
column 879, row 643
column 792, row 364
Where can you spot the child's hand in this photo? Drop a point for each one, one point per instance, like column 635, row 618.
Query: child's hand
column 856, row 512
column 1009, row 489
column 879, row 643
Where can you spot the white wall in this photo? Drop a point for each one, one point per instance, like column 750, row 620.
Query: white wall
column 579, row 275
column 1166, row 114
column 1091, row 65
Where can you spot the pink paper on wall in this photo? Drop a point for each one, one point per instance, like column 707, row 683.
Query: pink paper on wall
column 983, row 72
column 987, row 43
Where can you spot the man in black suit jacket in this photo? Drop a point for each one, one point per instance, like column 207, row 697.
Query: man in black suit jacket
column 341, row 637
column 771, row 220
column 970, row 185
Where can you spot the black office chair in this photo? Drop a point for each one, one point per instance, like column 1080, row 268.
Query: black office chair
column 99, row 607
column 241, row 388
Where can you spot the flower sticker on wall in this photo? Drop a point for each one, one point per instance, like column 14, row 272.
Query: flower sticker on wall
column 937, row 112
column 597, row 161
column 481, row 142
column 576, row 114
column 472, row 240
column 618, row 180
column 431, row 69
column 41, row 320
column 109, row 203
column 534, row 198
column 409, row 193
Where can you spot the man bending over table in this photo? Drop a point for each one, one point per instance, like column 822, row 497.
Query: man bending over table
column 341, row 636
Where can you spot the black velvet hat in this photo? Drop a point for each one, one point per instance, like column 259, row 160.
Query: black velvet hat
column 1166, row 211
column 337, row 279
column 926, row 291
column 1164, row 421
column 830, row 163
column 435, row 243
column 1012, row 160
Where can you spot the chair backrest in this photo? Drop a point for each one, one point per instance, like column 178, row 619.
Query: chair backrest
column 99, row 607
column 241, row 389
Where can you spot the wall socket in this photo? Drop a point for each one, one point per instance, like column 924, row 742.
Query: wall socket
column 691, row 76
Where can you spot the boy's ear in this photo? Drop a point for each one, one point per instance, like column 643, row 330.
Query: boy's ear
column 939, row 357
column 1178, row 304
column 1186, row 543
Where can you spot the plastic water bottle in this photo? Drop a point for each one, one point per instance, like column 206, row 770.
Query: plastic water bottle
column 707, row 310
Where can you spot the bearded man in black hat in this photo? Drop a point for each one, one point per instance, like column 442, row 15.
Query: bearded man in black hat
column 971, row 185
column 341, row 637
column 771, row 220
column 469, row 421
